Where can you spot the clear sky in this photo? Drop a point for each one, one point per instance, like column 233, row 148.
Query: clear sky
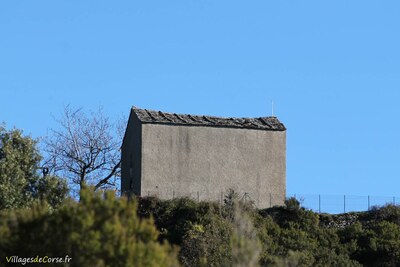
column 331, row 67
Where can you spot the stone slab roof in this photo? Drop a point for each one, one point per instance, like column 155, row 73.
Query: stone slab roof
column 261, row 123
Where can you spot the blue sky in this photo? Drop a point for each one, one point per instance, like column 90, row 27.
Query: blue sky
column 331, row 67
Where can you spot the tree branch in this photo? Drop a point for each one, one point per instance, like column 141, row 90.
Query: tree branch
column 105, row 180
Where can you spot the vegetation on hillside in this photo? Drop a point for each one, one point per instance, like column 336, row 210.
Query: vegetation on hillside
column 210, row 235
column 104, row 230
column 281, row 236
column 20, row 181
column 100, row 230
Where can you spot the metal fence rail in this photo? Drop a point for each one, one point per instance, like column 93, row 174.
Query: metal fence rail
column 342, row 203
column 316, row 202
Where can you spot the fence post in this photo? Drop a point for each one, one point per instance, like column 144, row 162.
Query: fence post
column 198, row 196
column 319, row 203
column 344, row 204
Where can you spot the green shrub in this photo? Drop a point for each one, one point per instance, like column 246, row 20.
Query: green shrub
column 389, row 212
column 20, row 182
column 97, row 231
column 207, row 243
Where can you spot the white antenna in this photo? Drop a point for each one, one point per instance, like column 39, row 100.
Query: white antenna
column 272, row 108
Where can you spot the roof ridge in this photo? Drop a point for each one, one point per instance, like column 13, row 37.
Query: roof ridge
column 270, row 123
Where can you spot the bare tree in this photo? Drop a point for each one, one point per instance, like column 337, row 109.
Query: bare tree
column 85, row 150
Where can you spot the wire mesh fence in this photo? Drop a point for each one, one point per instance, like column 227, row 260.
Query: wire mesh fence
column 342, row 203
column 316, row 202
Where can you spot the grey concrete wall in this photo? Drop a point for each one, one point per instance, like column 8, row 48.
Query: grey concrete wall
column 205, row 161
column 131, row 157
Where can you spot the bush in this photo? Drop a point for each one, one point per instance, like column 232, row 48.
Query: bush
column 20, row 182
column 207, row 243
column 292, row 236
column 389, row 212
column 97, row 231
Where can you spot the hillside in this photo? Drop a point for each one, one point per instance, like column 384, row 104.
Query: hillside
column 105, row 230
column 286, row 236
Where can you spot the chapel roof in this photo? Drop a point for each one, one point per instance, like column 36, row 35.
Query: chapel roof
column 270, row 123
